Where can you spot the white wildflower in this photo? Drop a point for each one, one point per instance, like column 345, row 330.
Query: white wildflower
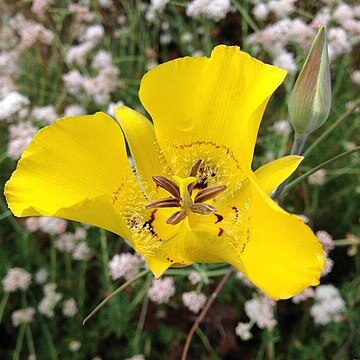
column 22, row 316
column 260, row 310
column 194, row 277
column 69, row 308
column 194, row 301
column 124, row 265
column 243, row 331
column 318, row 177
column 74, row 345
column 329, row 306
column 16, row 279
column 162, row 290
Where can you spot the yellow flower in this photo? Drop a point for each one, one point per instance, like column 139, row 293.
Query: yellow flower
column 192, row 196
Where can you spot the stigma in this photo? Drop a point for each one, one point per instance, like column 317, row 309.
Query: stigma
column 186, row 195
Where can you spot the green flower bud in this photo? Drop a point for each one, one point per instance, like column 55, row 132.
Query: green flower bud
column 310, row 101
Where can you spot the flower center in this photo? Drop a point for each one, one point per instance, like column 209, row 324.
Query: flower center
column 183, row 195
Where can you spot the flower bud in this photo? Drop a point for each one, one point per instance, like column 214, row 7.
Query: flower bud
column 310, row 101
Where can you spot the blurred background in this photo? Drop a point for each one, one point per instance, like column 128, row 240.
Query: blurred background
column 61, row 58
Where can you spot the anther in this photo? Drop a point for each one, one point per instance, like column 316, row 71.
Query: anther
column 163, row 203
column 167, row 184
column 176, row 217
column 209, row 193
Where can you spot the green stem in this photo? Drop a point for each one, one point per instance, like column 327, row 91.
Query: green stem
column 53, row 260
column 19, row 342
column 322, row 165
column 3, row 303
column 331, row 128
column 347, row 242
column 245, row 15
column 30, row 340
column 114, row 293
column 297, row 148
column 105, row 258
column 143, row 312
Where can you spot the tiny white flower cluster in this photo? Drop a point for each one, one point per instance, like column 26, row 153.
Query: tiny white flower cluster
column 125, row 266
column 194, row 301
column 74, row 244
column 16, row 279
column 260, row 310
column 318, row 177
column 41, row 276
column 329, row 306
column 343, row 30
column 137, row 357
column 20, row 136
column 212, row 9
column 98, row 87
column 328, row 245
column 69, row 308
column 282, row 127
column 48, row 225
column 22, row 316
column 74, row 345
column 243, row 331
column 194, row 277
column 307, row 293
column 162, row 290
column 49, row 301
column 13, row 103
column 155, row 7
column 44, row 114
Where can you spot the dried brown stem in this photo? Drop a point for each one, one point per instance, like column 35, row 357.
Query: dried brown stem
column 204, row 311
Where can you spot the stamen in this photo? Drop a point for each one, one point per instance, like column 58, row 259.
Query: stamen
column 167, row 184
column 176, row 217
column 195, row 168
column 192, row 173
column 163, row 203
column 203, row 209
column 209, row 193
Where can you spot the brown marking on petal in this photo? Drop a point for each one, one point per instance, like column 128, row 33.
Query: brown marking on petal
column 203, row 209
column 219, row 218
column 209, row 193
column 149, row 226
column 167, row 184
column 176, row 217
column 221, row 231
column 236, row 212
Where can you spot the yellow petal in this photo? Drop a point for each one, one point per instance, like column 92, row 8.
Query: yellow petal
column 211, row 100
column 198, row 238
column 70, row 170
column 272, row 174
column 282, row 256
column 139, row 133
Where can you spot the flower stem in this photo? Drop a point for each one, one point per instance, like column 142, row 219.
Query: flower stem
column 114, row 293
column 297, row 148
column 3, row 303
column 316, row 168
column 204, row 311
